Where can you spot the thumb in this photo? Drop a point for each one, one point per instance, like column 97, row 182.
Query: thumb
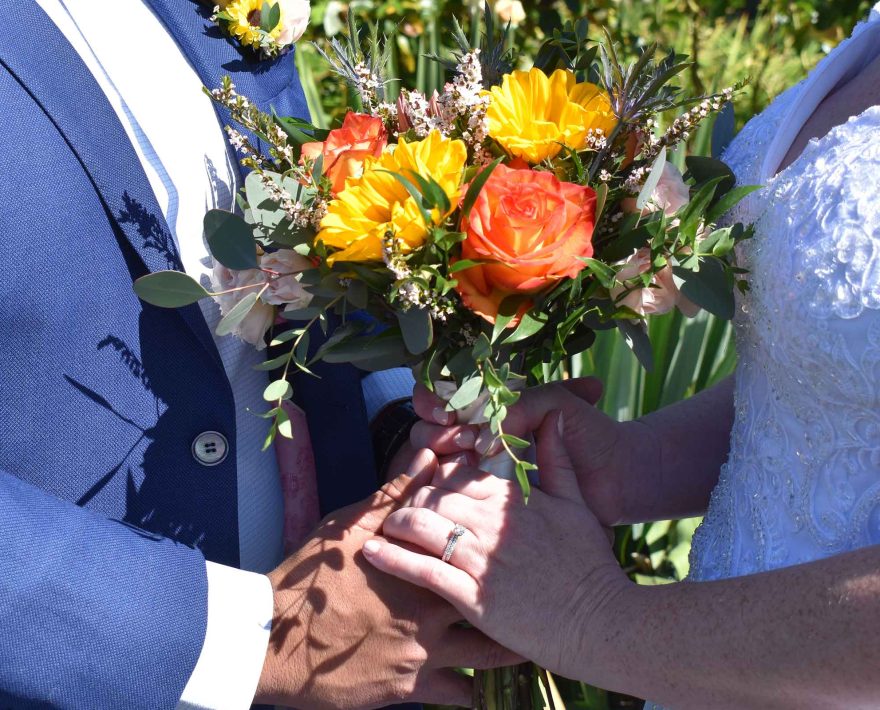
column 555, row 470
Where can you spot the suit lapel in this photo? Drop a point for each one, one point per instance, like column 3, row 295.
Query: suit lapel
column 54, row 75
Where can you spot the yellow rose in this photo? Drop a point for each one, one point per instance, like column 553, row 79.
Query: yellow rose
column 376, row 203
column 531, row 114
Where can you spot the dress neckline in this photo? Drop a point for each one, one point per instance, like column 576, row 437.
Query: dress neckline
column 844, row 62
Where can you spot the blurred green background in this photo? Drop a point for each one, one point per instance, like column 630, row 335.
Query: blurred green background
column 772, row 42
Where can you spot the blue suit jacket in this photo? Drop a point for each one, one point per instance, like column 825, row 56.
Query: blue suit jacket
column 105, row 516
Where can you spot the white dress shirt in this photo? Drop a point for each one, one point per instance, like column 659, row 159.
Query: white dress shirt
column 174, row 130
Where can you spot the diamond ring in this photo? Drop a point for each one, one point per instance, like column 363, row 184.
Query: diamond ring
column 456, row 533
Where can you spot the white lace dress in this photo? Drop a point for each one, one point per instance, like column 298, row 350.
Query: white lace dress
column 802, row 481
column 803, row 478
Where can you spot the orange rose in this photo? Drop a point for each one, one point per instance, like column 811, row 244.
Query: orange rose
column 534, row 227
column 347, row 147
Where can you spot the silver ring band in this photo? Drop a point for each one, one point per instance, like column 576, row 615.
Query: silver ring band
column 456, row 533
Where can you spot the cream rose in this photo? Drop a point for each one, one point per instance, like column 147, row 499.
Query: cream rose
column 510, row 11
column 295, row 16
column 253, row 327
column 658, row 298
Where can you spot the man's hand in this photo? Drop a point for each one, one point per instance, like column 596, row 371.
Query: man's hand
column 610, row 457
column 345, row 635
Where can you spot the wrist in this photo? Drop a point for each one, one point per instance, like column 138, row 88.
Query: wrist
column 279, row 679
column 606, row 626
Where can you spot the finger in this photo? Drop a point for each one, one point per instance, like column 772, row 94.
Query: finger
column 536, row 403
column 444, row 687
column 589, row 389
column 430, row 407
column 432, row 533
column 452, row 584
column 555, row 470
column 443, row 440
column 375, row 509
column 471, row 648
column 467, row 480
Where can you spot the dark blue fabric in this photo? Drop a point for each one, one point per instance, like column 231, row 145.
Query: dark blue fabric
column 334, row 403
column 101, row 396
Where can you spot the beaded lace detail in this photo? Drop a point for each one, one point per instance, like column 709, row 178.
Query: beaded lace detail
column 802, row 480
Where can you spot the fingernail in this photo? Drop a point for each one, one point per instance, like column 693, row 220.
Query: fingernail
column 486, row 442
column 458, row 459
column 560, row 425
column 441, row 416
column 371, row 547
column 465, row 439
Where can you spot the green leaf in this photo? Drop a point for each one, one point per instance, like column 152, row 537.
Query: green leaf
column 463, row 264
column 279, row 389
column 522, row 477
column 435, row 195
column 515, row 442
column 528, row 326
column 710, row 287
column 601, row 199
column 637, row 340
column 286, row 336
column 230, row 240
column 604, row 274
column 703, row 169
column 272, row 364
column 691, row 216
column 235, row 316
column 388, row 345
column 476, row 185
column 169, row 289
column 417, row 329
column 467, row 394
column 507, row 311
column 270, row 16
column 285, row 426
column 653, row 179
column 730, row 199
column 414, row 192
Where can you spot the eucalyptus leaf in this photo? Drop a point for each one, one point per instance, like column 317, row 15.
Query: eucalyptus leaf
column 284, row 425
column 169, row 289
column 417, row 329
column 467, row 393
column 237, row 314
column 709, row 287
column 230, row 240
column 279, row 389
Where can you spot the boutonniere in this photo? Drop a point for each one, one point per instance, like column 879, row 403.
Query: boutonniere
column 269, row 27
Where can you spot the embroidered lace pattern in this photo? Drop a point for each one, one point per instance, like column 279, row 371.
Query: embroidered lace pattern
column 802, row 480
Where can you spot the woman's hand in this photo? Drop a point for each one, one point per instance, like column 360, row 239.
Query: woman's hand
column 534, row 577
column 611, row 459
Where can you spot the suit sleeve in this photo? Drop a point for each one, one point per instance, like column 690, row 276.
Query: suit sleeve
column 93, row 613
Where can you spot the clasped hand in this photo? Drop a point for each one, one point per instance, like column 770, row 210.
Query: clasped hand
column 540, row 578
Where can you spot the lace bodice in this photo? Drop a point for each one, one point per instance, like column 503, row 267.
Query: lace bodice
column 803, row 476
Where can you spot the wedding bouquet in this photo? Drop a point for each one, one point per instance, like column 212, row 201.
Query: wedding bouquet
column 481, row 235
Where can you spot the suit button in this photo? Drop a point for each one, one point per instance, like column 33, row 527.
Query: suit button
column 210, row 448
